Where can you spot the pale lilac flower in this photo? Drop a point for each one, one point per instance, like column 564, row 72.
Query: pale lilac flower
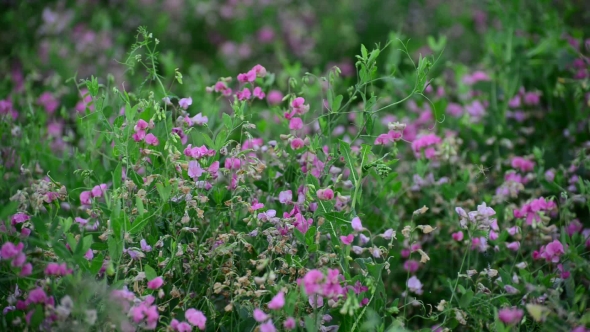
column 268, row 327
column 356, row 224
column 388, row 234
column 286, row 197
column 514, row 246
column 185, row 102
column 414, row 285
column 198, row 119
column 144, row 246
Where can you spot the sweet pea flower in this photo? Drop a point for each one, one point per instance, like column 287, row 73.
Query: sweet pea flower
column 347, row 240
column 185, row 102
column 458, row 236
column 553, row 251
column 98, row 191
column 277, row 302
column 356, row 224
column 196, row 318
column 414, row 285
column 289, row 323
column 259, row 315
column 295, row 123
column 325, row 194
column 9, row 250
column 297, row 143
column 274, row 97
column 514, row 246
column 194, row 169
column 19, row 218
column 151, row 139
column 286, row 197
column 268, row 327
column 86, row 198
column 155, row 283
column 258, row 93
column 198, row 119
column 510, row 316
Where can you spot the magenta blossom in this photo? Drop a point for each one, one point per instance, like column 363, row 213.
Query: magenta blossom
column 553, row 251
column 347, row 240
column 325, row 194
column 260, row 316
column 196, row 318
column 277, row 302
column 510, row 316
column 155, row 283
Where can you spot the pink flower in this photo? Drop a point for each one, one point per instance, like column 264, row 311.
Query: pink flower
column 180, row 327
column 185, row 102
column 245, row 94
column 9, row 250
column 81, row 221
column 26, row 270
column 312, row 282
column 89, row 255
column 411, row 265
column 85, row 197
column 141, row 125
column 289, row 323
column 48, row 101
column 553, row 251
column 265, row 35
column 232, row 163
column 198, row 119
column 196, row 318
column 425, row 141
column 258, row 93
column 259, row 70
column 155, row 283
column 151, row 139
column 250, row 76
column 356, row 224
column 55, row 269
column 325, row 194
column 277, row 302
column 458, row 236
column 295, row 124
column 274, row 97
column 138, row 136
column 454, row 109
column 37, row 295
column 347, row 240
column 19, row 218
column 98, row 191
column 286, row 197
column 522, row 164
column 259, row 315
column 268, row 327
column 194, row 169
column 297, row 143
column 510, row 315
column 514, row 246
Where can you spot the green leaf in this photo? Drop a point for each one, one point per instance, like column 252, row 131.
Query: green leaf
column 118, row 176
column 208, row 141
column 8, row 209
column 466, row 299
column 150, row 273
column 347, row 154
column 139, row 205
column 336, row 103
column 310, row 323
column 138, row 225
column 299, row 236
column 163, row 191
column 115, row 249
column 227, row 121
column 364, row 52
